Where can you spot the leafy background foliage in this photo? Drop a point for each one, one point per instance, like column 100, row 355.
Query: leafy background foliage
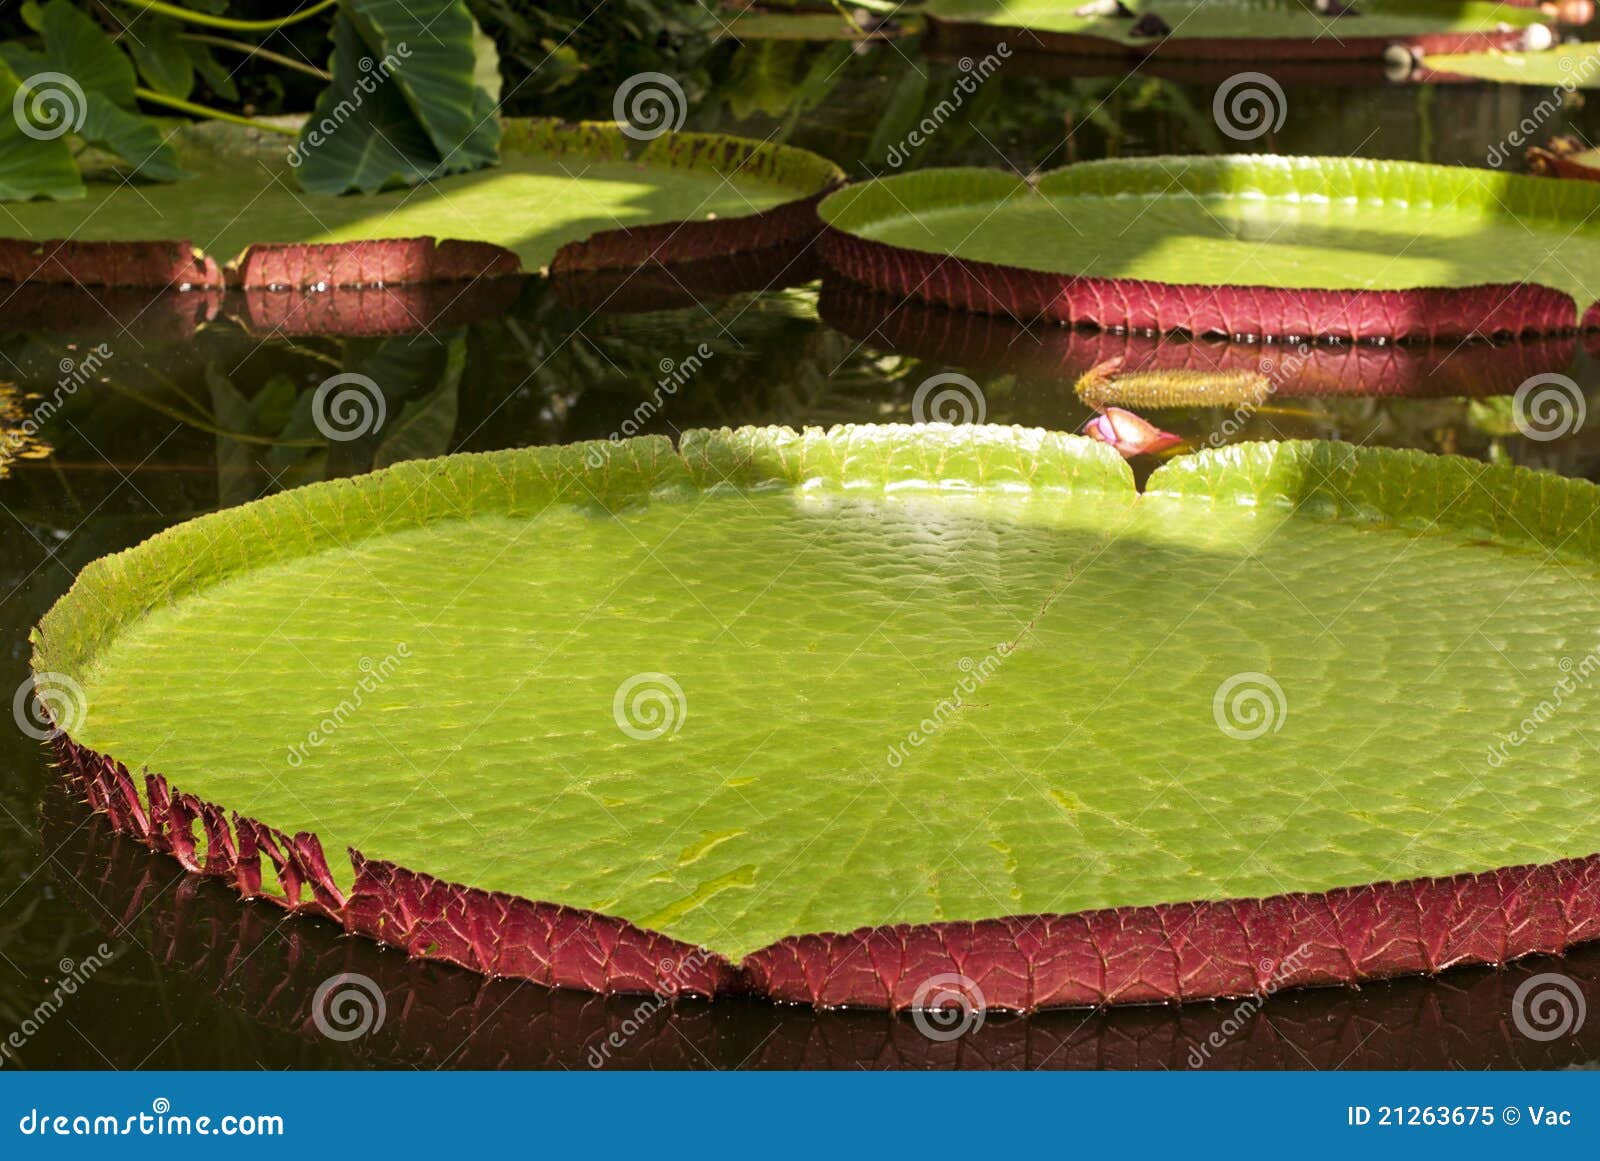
column 408, row 92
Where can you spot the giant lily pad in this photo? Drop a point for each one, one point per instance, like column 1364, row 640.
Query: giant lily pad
column 576, row 196
column 1257, row 30
column 1288, row 246
column 828, row 715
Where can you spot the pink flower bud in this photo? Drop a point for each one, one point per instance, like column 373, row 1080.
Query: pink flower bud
column 1129, row 434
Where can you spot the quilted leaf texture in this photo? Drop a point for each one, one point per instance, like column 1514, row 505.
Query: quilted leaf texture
column 1025, row 828
column 1243, row 246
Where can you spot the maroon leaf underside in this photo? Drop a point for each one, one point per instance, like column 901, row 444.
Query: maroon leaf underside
column 440, row 1016
column 1409, row 370
column 158, row 316
column 1028, row 295
column 787, row 225
column 979, row 36
column 1166, row 952
column 372, row 311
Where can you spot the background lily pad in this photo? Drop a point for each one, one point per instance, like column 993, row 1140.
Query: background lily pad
column 1263, row 245
column 1286, row 28
column 555, row 184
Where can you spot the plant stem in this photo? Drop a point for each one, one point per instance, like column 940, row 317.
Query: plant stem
column 190, row 16
column 209, row 113
column 250, row 50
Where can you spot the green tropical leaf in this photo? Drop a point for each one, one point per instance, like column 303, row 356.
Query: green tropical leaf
column 76, row 45
column 163, row 59
column 216, row 77
column 403, row 106
column 32, row 166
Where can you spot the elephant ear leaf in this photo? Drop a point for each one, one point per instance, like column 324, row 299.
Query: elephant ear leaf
column 164, row 60
column 35, row 161
column 404, row 105
column 84, row 79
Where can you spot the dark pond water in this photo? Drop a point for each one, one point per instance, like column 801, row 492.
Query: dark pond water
column 161, row 419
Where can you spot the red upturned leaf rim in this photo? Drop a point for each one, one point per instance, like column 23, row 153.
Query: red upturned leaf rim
column 441, row 1016
column 179, row 264
column 1203, row 949
column 1485, row 311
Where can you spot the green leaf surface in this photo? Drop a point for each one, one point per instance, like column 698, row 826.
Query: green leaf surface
column 905, row 675
column 76, row 45
column 556, row 184
column 1292, row 222
column 1288, row 19
column 32, row 166
column 162, row 58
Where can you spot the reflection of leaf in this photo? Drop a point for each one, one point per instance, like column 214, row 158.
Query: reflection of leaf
column 403, row 105
column 425, row 426
column 237, row 470
column 30, row 168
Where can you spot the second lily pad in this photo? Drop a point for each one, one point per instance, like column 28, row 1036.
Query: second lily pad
column 1287, row 246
